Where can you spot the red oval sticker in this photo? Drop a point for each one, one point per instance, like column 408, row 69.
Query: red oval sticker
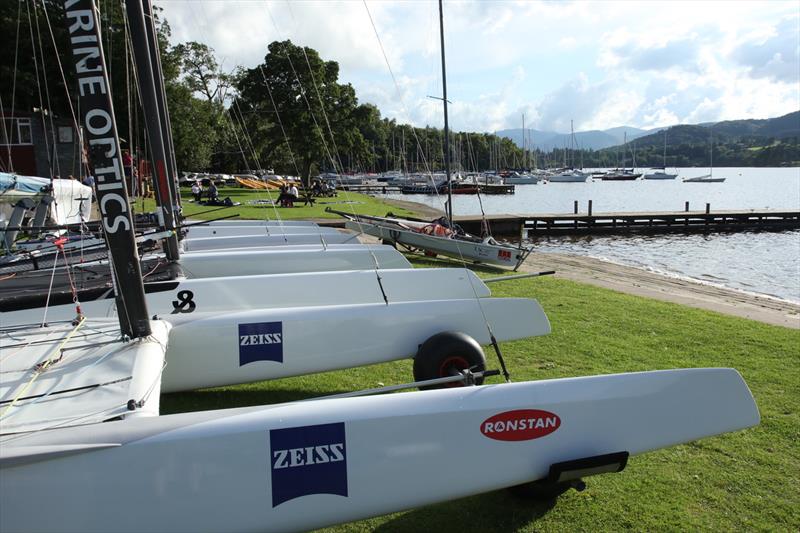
column 522, row 424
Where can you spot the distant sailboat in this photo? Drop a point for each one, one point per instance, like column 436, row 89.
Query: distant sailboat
column 660, row 173
column 708, row 178
column 622, row 174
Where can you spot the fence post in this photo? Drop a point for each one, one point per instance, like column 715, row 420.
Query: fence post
column 687, row 207
column 708, row 208
column 575, row 207
column 590, row 208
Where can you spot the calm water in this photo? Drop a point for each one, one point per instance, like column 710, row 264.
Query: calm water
column 762, row 262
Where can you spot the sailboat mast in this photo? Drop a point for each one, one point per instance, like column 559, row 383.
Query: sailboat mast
column 147, row 87
column 711, row 151
column 104, row 151
column 446, row 125
column 163, row 110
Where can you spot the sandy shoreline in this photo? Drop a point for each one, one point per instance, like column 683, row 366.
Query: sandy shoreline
column 642, row 282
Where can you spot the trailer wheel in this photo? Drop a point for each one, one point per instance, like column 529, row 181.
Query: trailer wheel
column 446, row 353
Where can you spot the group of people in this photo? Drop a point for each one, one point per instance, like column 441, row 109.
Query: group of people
column 323, row 188
column 289, row 195
column 211, row 192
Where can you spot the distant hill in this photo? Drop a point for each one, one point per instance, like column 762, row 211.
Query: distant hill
column 587, row 140
column 782, row 127
column 761, row 142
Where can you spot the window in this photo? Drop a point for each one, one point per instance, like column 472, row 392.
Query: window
column 15, row 131
column 65, row 134
column 24, row 131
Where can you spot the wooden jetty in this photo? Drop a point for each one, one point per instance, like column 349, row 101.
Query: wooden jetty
column 540, row 225
column 379, row 188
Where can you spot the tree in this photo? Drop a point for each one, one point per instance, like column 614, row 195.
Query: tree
column 200, row 71
column 294, row 99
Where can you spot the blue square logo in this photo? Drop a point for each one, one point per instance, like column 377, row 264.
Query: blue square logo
column 261, row 341
column 308, row 460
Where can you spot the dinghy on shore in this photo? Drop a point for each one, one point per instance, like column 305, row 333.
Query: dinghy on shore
column 436, row 238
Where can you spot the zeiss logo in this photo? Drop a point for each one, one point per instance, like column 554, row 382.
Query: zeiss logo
column 262, row 341
column 308, row 460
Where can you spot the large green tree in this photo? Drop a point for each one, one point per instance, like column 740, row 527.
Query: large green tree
column 293, row 101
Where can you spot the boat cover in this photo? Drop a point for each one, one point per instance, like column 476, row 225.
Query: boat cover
column 65, row 375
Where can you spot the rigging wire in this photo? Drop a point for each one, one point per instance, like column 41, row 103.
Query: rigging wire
column 39, row 90
column 14, row 84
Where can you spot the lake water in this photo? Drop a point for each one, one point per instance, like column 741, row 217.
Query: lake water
column 762, row 262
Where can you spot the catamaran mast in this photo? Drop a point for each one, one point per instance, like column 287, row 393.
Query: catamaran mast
column 105, row 156
column 163, row 109
column 147, row 88
column 446, row 125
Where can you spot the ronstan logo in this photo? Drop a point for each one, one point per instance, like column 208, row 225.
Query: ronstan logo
column 522, row 424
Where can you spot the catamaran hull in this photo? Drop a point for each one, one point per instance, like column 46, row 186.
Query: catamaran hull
column 199, row 232
column 505, row 256
column 286, row 259
column 273, row 224
column 217, row 295
column 247, row 346
column 306, row 465
column 255, row 241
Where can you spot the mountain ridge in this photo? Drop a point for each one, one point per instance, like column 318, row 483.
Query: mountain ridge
column 784, row 126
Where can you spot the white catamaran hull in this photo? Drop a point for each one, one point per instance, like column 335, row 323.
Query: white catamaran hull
column 246, row 346
column 216, row 295
column 287, row 259
column 199, row 232
column 273, row 224
column 255, row 241
column 306, row 465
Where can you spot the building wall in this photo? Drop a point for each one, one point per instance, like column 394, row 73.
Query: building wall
column 28, row 151
column 64, row 153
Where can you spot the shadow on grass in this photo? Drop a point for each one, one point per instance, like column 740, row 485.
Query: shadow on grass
column 226, row 398
column 496, row 511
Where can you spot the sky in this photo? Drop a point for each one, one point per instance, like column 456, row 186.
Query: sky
column 601, row 64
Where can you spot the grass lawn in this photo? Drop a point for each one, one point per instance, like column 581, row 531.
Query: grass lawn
column 742, row 481
column 345, row 201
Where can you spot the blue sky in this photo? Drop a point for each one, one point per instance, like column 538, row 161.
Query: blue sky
column 600, row 63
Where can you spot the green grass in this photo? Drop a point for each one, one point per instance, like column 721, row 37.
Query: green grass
column 345, row 201
column 742, row 481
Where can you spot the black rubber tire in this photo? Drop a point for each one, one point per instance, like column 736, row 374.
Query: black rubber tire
column 443, row 352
